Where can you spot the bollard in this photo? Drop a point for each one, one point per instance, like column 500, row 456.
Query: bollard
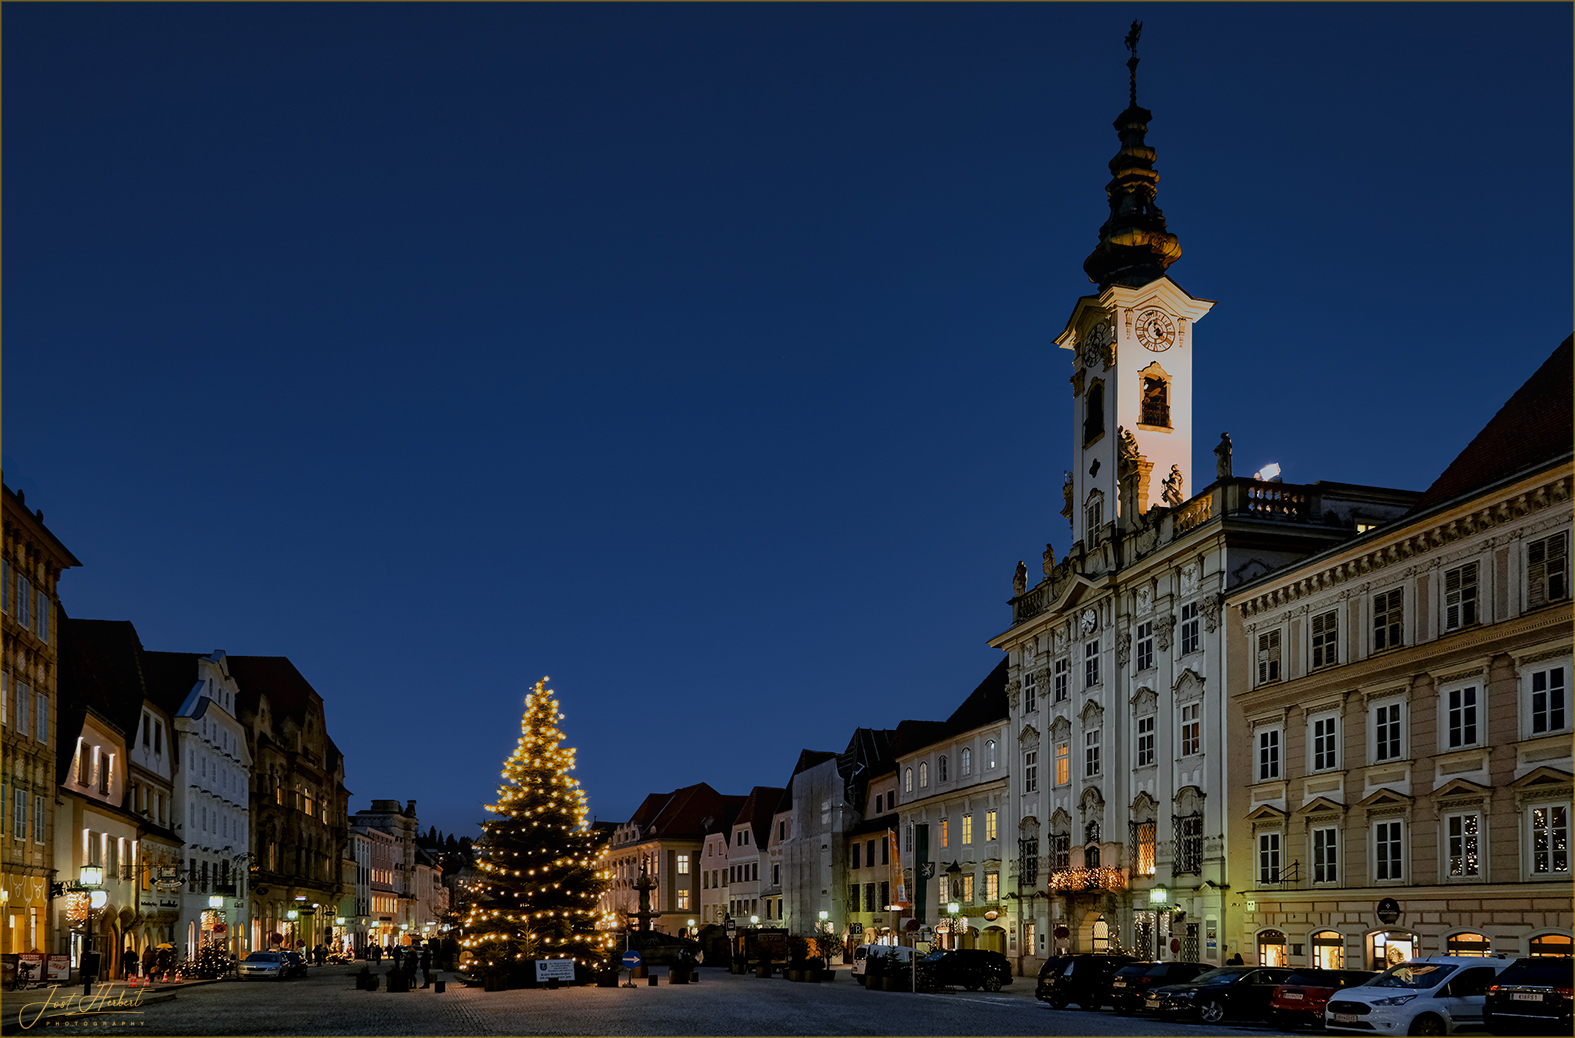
column 694, row 976
column 439, row 986
column 651, row 981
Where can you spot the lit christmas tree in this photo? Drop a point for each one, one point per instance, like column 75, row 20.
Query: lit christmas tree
column 537, row 889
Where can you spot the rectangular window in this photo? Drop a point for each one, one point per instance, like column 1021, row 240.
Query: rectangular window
column 1060, row 851
column 1189, row 628
column 1030, row 691
column 885, row 851
column 1325, row 855
column 24, row 601
column 1269, row 656
column 18, row 814
column 38, row 819
column 967, row 829
column 1550, row 839
column 1145, row 645
column 1268, row 754
column 1547, row 570
column 1325, row 743
column 1388, row 850
column 41, row 717
column 853, row 897
column 1145, row 741
column 1460, row 837
column 1388, row 619
column 1063, row 763
column 1386, row 732
column 683, row 864
column 24, row 699
column 1091, row 753
column 1547, row 700
column 1268, row 857
column 1031, row 772
column 992, row 887
column 1062, row 669
column 1091, row 663
column 43, row 617
column 989, row 824
column 1143, row 836
column 158, row 737
column 1191, row 729
column 1325, row 640
column 683, row 900
column 1187, row 845
column 967, row 885
column 945, row 833
column 1460, row 597
column 1461, row 722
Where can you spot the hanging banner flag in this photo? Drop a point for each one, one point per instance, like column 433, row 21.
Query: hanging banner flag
column 901, row 900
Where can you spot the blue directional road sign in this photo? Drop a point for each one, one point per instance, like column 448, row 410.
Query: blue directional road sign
column 631, row 960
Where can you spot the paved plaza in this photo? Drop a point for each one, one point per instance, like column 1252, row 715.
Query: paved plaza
column 328, row 1003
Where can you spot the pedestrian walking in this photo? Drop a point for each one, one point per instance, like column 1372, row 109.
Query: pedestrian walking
column 130, row 962
column 426, row 966
column 398, row 954
column 377, row 954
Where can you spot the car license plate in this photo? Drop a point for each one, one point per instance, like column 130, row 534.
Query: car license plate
column 1119, row 984
column 1345, row 1018
column 1522, row 996
column 1151, row 1003
column 1293, row 994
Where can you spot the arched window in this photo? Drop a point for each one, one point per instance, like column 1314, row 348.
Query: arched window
column 1094, row 513
column 907, row 780
column 1328, row 950
column 1468, row 943
column 1094, row 413
column 1271, row 948
column 940, row 769
column 1101, row 935
column 1154, row 400
column 1551, row 944
column 989, row 753
column 924, row 774
column 967, row 761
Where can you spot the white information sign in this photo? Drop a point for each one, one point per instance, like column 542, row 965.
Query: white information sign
column 547, row 969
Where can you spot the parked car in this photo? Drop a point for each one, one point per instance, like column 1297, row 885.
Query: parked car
column 1084, row 981
column 898, row 955
column 1230, row 992
column 1532, row 996
column 971, row 968
column 1440, row 994
column 272, row 965
column 1300, row 1001
column 1131, row 984
column 1047, row 973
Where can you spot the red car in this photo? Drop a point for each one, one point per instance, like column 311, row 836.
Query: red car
column 1301, row 999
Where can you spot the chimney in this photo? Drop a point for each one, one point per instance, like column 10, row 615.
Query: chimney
column 410, row 808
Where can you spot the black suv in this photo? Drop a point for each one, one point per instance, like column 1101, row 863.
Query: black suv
column 1234, row 992
column 1131, row 983
column 1083, row 981
column 971, row 968
column 1531, row 996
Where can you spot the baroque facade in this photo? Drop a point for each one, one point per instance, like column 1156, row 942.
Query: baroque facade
column 31, row 564
column 1403, row 721
column 1116, row 675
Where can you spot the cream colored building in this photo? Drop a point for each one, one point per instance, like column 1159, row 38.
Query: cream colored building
column 1401, row 720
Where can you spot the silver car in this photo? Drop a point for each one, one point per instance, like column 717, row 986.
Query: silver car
column 272, row 966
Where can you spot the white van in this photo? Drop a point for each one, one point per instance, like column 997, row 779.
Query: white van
column 1440, row 994
column 861, row 954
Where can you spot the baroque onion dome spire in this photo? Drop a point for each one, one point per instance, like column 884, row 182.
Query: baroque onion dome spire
column 1134, row 247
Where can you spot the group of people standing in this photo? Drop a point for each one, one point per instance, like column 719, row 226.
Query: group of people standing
column 407, row 960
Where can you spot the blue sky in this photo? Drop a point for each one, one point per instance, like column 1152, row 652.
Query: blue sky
column 700, row 356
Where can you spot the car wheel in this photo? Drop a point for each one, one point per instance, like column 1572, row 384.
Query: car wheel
column 1211, row 1012
column 1427, row 1023
column 992, row 983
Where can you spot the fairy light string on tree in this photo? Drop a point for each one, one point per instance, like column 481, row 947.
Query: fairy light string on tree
column 538, row 886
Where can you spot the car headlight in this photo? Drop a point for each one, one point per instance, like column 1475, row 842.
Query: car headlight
column 1397, row 1000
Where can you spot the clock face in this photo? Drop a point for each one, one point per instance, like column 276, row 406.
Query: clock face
column 1090, row 621
column 1094, row 343
column 1156, row 330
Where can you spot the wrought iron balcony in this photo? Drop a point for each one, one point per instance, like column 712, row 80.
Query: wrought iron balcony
column 1078, row 879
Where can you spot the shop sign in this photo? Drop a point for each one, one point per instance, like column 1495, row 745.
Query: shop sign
column 1388, row 910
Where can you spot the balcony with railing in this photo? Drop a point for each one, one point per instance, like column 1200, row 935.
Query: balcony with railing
column 1080, row 879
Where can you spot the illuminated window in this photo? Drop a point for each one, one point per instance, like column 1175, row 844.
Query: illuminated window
column 1461, row 832
column 989, row 824
column 683, row 864
column 924, row 774
column 1063, row 763
column 944, row 838
column 965, row 758
column 1143, row 837
column 967, row 829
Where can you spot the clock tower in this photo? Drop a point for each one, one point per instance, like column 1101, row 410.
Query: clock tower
column 1131, row 345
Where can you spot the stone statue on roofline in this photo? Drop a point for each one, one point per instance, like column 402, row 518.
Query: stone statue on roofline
column 1222, row 456
column 1020, row 578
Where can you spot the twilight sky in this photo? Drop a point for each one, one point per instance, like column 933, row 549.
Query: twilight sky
column 700, row 356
